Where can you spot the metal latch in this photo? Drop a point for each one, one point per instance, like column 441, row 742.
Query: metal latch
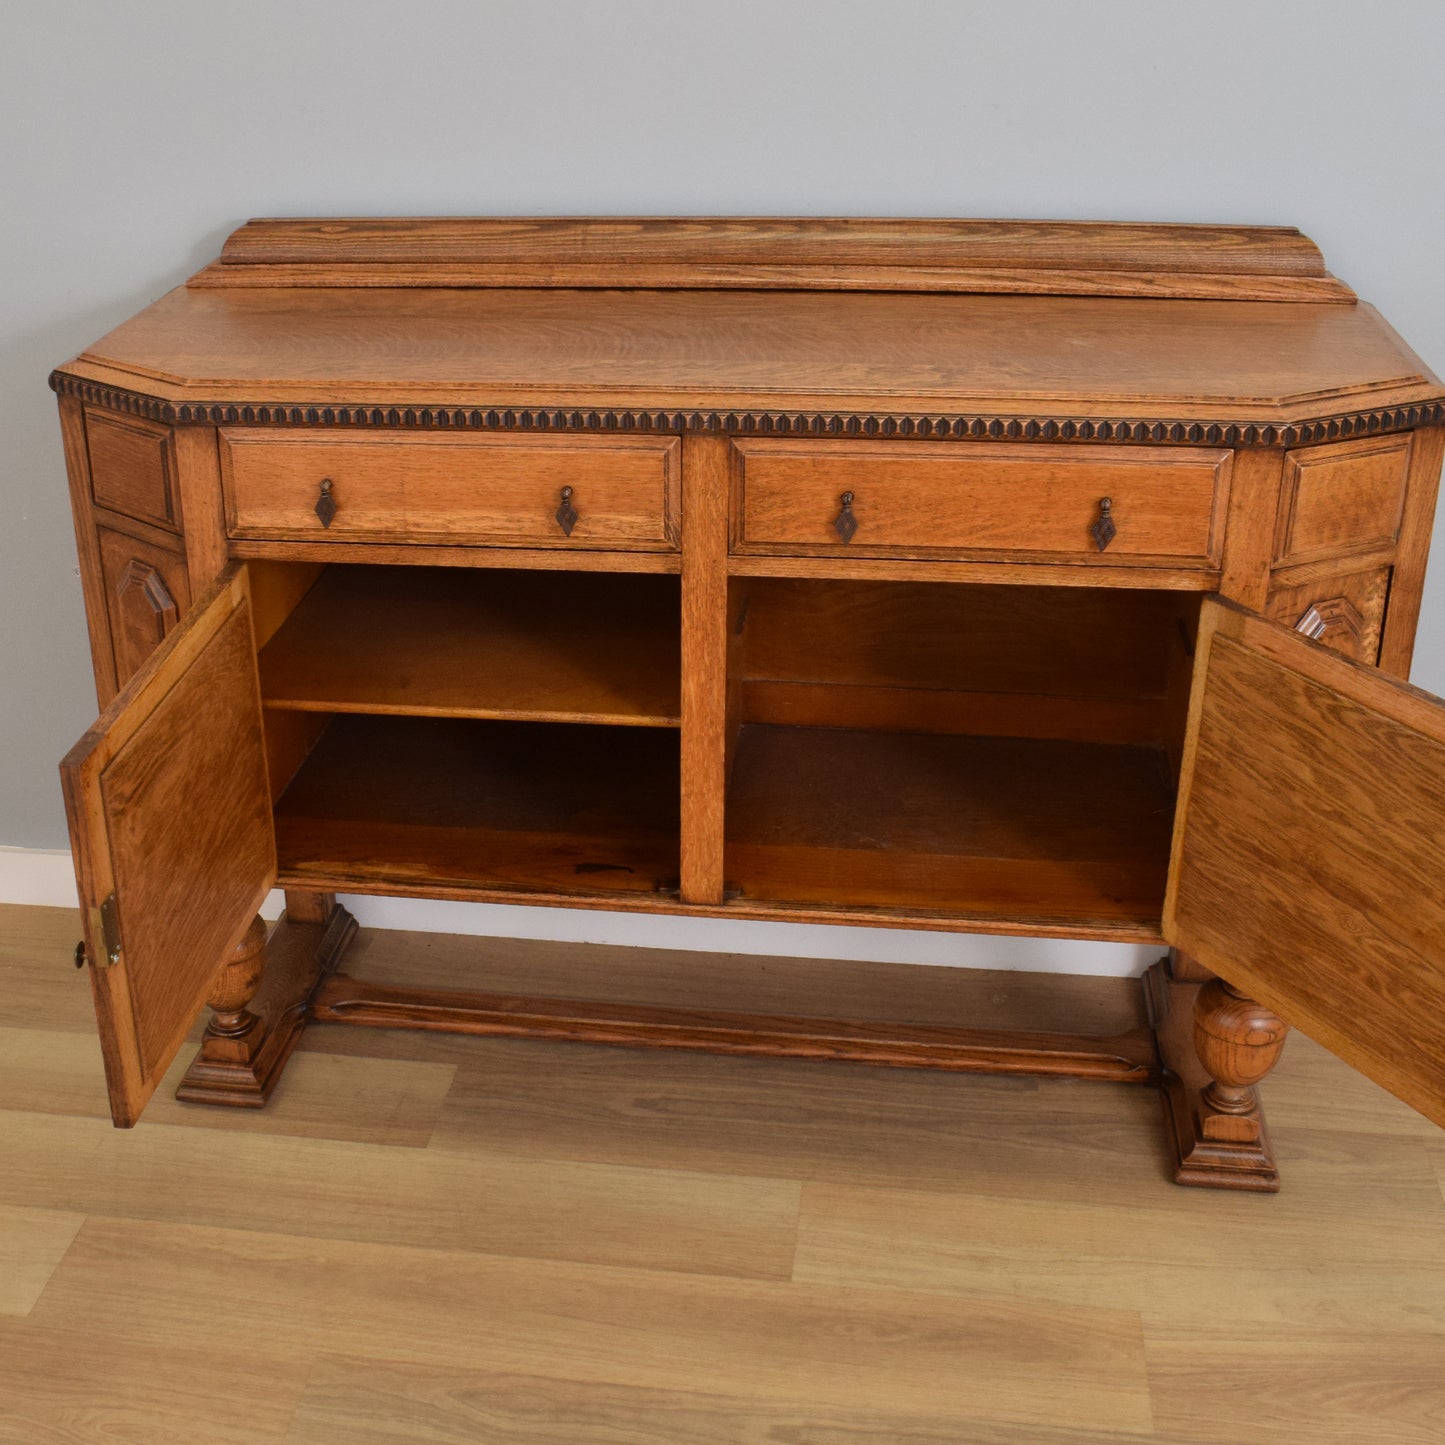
column 110, row 929
column 109, row 936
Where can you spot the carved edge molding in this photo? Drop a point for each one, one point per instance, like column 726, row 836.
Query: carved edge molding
column 759, row 423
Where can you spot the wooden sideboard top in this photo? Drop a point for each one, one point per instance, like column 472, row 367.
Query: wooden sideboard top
column 702, row 338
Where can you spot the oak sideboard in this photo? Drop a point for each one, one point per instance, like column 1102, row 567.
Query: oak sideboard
column 1017, row 578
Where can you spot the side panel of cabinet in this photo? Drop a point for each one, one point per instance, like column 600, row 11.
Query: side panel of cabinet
column 132, row 469
column 1408, row 584
column 1306, row 862
column 171, row 827
column 87, row 547
column 1351, row 530
column 148, row 527
column 1341, row 499
column 1345, row 612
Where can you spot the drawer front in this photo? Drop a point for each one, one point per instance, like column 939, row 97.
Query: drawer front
column 920, row 499
column 489, row 490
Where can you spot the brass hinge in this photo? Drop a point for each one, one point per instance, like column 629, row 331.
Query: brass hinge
column 109, row 930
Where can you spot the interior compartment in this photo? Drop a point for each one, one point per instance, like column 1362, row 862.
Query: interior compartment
column 548, row 646
column 975, row 754
column 471, row 730
column 391, row 803
column 1006, row 754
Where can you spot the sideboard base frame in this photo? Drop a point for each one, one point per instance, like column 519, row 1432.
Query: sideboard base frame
column 1125, row 1058
column 300, row 985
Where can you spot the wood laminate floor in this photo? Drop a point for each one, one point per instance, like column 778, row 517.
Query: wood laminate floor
column 439, row 1240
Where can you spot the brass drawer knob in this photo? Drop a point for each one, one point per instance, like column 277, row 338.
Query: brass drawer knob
column 845, row 524
column 1104, row 531
column 567, row 513
column 326, row 503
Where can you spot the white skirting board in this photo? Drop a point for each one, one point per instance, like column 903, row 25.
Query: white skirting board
column 43, row 876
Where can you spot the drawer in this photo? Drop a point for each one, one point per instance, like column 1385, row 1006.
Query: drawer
column 1032, row 502
column 496, row 490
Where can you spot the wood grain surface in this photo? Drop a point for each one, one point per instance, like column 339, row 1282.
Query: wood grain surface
column 459, row 642
column 1307, row 852
column 495, row 807
column 940, row 824
column 706, row 649
column 131, row 468
column 1259, row 262
column 1125, row 1058
column 916, row 499
column 87, row 546
column 1348, row 610
column 505, row 491
column 167, row 802
column 146, row 590
column 1342, row 499
column 1265, row 250
column 1407, row 583
column 1092, row 665
column 787, row 350
column 575, row 1246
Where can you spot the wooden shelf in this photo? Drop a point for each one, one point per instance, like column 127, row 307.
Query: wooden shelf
column 461, row 642
column 493, row 807
column 1057, row 834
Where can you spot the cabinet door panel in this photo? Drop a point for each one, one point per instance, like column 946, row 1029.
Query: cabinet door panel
column 1309, row 847
column 170, row 822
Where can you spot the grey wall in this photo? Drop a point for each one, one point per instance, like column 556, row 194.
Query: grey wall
column 136, row 136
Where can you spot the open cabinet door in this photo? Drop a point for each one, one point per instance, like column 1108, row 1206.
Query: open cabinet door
column 170, row 823
column 1309, row 847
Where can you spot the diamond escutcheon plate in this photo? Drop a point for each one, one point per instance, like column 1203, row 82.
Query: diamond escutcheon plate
column 566, row 513
column 1104, row 531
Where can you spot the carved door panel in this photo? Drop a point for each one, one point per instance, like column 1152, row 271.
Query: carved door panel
column 145, row 594
column 171, row 826
column 1346, row 613
column 1309, row 847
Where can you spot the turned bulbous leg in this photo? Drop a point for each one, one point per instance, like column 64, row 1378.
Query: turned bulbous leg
column 236, row 986
column 1238, row 1041
column 261, row 999
column 1215, row 1045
